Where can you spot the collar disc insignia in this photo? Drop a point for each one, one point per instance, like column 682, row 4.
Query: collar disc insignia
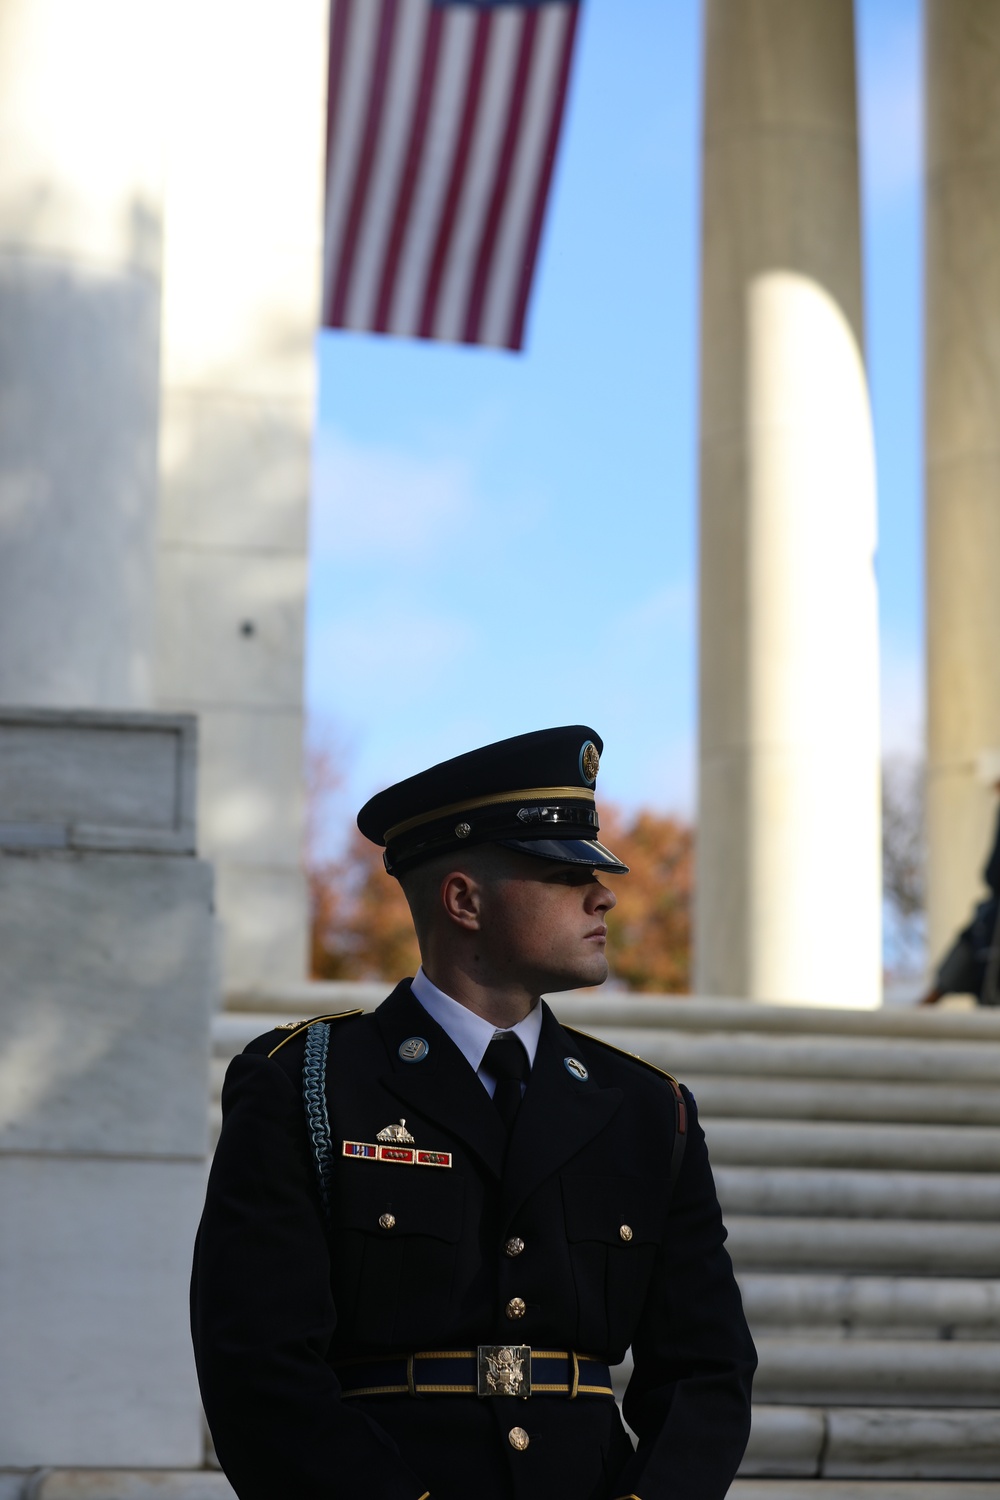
column 414, row 1049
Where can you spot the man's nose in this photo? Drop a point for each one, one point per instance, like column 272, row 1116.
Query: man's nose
column 602, row 897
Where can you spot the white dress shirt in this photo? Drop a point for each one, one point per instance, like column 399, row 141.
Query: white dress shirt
column 471, row 1033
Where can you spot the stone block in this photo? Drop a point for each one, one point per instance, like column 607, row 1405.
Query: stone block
column 241, row 269
column 114, row 1484
column 265, row 922
column 955, row 1303
column 934, row 1059
column 909, row 1247
column 845, row 1099
column 644, row 1020
column 94, row 1267
column 886, row 1372
column 105, row 1005
column 793, row 1143
column 230, row 628
column 784, row 1440
column 75, row 182
column 860, row 1489
column 917, row 1444
column 91, row 780
column 235, row 471
column 304, row 997
column 801, row 1191
column 78, row 366
column 251, row 786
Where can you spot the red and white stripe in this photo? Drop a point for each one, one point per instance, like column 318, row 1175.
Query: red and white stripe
column 442, row 133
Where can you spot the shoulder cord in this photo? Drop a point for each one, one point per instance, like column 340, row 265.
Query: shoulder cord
column 314, row 1098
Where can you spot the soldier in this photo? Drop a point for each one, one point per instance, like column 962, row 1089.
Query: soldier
column 431, row 1230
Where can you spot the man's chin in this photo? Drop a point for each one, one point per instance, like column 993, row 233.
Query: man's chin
column 586, row 977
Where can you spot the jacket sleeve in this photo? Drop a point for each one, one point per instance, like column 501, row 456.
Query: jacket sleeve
column 263, row 1314
column 688, row 1400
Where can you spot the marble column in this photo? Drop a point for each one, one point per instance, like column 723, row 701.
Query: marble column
column 241, row 299
column 80, row 167
column 962, row 436
column 788, row 888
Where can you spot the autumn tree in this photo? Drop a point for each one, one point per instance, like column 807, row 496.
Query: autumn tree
column 359, row 921
column 649, row 931
column 361, row 929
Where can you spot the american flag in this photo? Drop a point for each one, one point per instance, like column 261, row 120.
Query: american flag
column 443, row 123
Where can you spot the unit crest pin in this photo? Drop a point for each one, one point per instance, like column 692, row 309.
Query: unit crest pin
column 414, row 1049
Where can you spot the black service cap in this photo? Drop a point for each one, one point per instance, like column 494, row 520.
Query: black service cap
column 533, row 793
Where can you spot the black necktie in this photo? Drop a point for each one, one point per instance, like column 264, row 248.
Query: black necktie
column 507, row 1060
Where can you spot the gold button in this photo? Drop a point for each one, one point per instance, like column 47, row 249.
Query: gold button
column 626, row 1232
column 518, row 1438
column 387, row 1221
column 516, row 1307
column 514, row 1246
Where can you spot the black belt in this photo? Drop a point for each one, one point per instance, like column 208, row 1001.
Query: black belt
column 489, row 1370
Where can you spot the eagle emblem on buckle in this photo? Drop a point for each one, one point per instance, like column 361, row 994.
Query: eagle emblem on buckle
column 504, row 1369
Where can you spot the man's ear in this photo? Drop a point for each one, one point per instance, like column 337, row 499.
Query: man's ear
column 461, row 898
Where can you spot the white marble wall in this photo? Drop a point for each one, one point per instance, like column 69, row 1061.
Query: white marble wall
column 80, row 168
column 107, row 970
column 241, row 301
column 962, row 441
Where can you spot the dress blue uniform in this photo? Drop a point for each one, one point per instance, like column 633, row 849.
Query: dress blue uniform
column 366, row 1293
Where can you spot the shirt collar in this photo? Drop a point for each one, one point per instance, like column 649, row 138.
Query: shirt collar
column 471, row 1033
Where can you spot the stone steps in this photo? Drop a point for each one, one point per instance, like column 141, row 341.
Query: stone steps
column 878, row 1371
column 829, row 1143
column 858, row 1161
column 608, row 1008
column 909, row 1247
column 162, row 1484
column 872, row 1443
column 849, row 1193
column 862, row 1489
column 747, row 1055
column 852, row 1303
column 723, row 1094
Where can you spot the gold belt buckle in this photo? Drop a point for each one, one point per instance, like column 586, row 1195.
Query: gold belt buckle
column 504, row 1369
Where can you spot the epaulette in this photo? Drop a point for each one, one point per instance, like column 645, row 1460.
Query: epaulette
column 295, row 1028
column 680, row 1107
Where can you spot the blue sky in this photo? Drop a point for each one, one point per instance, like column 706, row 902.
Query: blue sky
column 502, row 542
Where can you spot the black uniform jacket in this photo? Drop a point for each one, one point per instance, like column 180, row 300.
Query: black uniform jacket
column 279, row 1300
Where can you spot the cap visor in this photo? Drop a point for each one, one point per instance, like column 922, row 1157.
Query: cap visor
column 569, row 852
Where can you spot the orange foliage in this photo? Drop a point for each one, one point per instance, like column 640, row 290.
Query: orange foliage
column 649, row 931
column 361, row 923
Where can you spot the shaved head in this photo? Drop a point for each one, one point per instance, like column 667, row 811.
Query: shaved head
column 483, row 863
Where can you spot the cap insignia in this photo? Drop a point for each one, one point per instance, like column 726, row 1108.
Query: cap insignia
column 590, row 762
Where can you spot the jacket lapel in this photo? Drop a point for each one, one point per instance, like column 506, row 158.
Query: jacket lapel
column 559, row 1114
column 442, row 1087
